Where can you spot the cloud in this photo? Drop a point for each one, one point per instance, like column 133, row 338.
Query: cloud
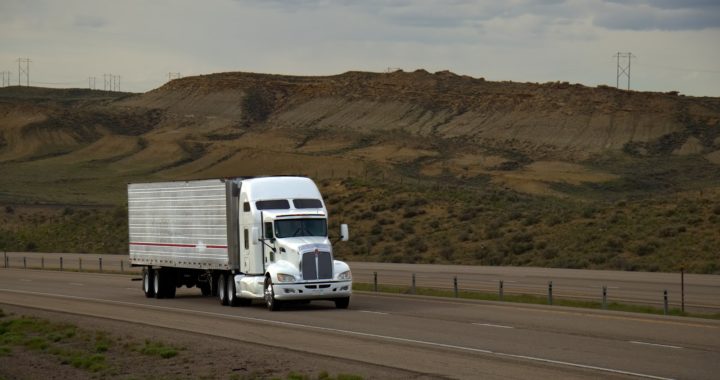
column 658, row 15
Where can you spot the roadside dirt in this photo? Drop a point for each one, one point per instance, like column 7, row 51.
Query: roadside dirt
column 199, row 357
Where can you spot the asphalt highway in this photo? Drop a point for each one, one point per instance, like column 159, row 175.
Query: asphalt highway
column 444, row 338
column 702, row 292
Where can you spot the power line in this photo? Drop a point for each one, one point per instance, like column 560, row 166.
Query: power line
column 623, row 69
column 673, row 68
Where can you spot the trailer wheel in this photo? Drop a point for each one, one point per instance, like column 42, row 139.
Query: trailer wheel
column 270, row 301
column 221, row 291
column 159, row 284
column 148, row 283
column 342, row 303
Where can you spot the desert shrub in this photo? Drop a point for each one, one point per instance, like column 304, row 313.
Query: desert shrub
column 407, row 227
column 646, row 248
column 257, row 105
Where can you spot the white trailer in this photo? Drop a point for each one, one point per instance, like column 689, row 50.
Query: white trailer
column 240, row 239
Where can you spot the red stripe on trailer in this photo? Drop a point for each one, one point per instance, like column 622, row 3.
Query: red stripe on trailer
column 178, row 245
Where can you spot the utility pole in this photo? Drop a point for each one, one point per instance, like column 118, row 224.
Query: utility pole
column 23, row 71
column 623, row 68
column 116, row 81
column 91, row 83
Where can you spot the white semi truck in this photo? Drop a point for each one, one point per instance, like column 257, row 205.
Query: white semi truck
column 241, row 239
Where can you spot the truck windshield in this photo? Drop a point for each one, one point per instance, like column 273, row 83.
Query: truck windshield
column 300, row 227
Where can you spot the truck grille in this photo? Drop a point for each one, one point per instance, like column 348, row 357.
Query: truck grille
column 317, row 265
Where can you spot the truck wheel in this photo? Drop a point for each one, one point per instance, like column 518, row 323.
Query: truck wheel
column 148, row 283
column 232, row 299
column 342, row 303
column 159, row 284
column 270, row 301
column 221, row 291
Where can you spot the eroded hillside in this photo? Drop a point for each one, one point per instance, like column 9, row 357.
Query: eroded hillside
column 554, row 146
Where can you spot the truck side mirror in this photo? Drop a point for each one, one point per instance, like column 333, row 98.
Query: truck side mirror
column 344, row 232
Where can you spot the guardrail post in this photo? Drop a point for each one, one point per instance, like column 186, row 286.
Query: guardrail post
column 42, row 262
column 24, row 262
column 604, row 301
column 100, row 263
column 80, row 264
column 682, row 288
column 412, row 290
column 5, row 259
column 501, row 290
column 665, row 302
column 455, row 286
column 375, row 281
column 122, row 266
column 550, row 298
column 61, row 264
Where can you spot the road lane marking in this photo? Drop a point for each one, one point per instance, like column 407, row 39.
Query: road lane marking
column 77, row 284
column 346, row 332
column 373, row 312
column 492, row 325
column 25, row 280
column 655, row 344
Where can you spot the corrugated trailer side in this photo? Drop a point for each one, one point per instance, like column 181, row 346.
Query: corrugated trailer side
column 179, row 224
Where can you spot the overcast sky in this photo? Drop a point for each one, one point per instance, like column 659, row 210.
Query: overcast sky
column 675, row 43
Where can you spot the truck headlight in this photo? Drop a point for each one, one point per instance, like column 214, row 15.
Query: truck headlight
column 345, row 276
column 282, row 277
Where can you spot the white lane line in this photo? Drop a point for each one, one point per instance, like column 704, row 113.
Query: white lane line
column 492, row 325
column 25, row 280
column 372, row 312
column 656, row 345
column 346, row 332
column 77, row 284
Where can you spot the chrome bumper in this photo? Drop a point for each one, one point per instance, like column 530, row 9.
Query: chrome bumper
column 313, row 291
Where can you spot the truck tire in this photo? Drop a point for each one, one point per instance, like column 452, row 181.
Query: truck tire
column 148, row 283
column 232, row 299
column 342, row 303
column 270, row 301
column 159, row 284
column 221, row 290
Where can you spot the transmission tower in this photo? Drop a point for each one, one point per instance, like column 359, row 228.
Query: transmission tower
column 172, row 76
column 91, row 83
column 6, row 78
column 107, row 82
column 116, row 80
column 23, row 71
column 623, row 67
